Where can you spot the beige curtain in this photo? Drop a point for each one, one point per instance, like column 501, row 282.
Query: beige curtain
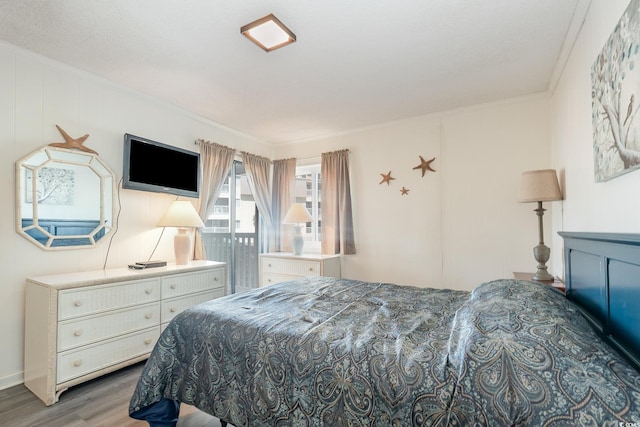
column 216, row 161
column 258, row 173
column 337, row 217
column 284, row 186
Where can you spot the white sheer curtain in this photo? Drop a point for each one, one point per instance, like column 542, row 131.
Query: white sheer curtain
column 284, row 188
column 258, row 176
column 216, row 161
column 337, row 216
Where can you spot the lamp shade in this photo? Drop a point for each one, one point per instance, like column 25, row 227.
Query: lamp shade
column 181, row 214
column 297, row 214
column 539, row 186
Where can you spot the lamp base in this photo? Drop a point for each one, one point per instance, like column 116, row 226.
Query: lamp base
column 297, row 241
column 543, row 276
column 542, row 253
column 182, row 246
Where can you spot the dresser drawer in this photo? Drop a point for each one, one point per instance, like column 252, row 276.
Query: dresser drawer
column 75, row 363
column 270, row 278
column 174, row 306
column 90, row 329
column 96, row 299
column 183, row 284
column 291, row 267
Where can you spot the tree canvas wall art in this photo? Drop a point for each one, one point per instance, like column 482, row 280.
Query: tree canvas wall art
column 615, row 79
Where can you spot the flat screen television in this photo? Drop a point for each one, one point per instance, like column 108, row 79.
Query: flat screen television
column 161, row 168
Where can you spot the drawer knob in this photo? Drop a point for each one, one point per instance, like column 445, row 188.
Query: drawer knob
column 172, row 309
column 148, row 291
column 269, row 264
column 215, row 279
column 77, row 363
column 77, row 303
column 173, row 286
column 77, row 333
column 147, row 341
column 148, row 316
column 310, row 268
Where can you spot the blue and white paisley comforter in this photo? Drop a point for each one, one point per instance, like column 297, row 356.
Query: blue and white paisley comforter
column 336, row 352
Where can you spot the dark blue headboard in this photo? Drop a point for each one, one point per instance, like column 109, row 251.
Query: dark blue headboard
column 602, row 274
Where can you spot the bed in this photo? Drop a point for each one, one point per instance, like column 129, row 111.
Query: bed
column 338, row 352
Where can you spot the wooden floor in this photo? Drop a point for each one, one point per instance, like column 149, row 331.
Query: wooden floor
column 103, row 402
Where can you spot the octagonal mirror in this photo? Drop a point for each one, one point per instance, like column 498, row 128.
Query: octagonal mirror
column 64, row 198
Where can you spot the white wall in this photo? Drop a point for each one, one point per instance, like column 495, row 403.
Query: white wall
column 460, row 225
column 612, row 206
column 35, row 95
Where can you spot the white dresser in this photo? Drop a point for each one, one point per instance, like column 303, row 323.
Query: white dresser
column 79, row 326
column 280, row 266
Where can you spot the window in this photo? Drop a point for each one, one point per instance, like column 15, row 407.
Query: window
column 308, row 191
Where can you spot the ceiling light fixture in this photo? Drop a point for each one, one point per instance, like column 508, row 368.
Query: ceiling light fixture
column 268, row 33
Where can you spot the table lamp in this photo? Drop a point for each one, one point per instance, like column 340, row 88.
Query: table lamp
column 298, row 216
column 540, row 186
column 183, row 215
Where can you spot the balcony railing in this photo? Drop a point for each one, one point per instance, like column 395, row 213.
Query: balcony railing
column 220, row 247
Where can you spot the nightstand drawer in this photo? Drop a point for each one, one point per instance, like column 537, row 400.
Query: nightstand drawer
column 281, row 267
column 270, row 278
column 291, row 267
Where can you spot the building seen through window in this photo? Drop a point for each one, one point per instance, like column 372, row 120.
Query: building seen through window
column 308, row 191
column 230, row 233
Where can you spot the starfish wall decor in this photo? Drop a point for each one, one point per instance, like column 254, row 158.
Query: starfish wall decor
column 71, row 143
column 425, row 165
column 386, row 178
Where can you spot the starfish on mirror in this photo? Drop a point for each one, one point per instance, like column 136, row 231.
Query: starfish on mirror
column 71, row 143
column 404, row 191
column 425, row 165
column 386, row 178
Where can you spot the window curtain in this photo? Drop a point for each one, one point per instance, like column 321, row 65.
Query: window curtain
column 337, row 216
column 258, row 170
column 284, row 193
column 216, row 161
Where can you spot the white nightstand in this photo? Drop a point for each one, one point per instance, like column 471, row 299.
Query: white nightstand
column 281, row 266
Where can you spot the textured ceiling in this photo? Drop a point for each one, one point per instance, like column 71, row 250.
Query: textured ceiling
column 357, row 63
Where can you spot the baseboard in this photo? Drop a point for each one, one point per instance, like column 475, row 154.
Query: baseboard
column 11, row 380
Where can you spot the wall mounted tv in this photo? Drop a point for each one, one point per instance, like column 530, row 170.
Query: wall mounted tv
column 161, row 168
